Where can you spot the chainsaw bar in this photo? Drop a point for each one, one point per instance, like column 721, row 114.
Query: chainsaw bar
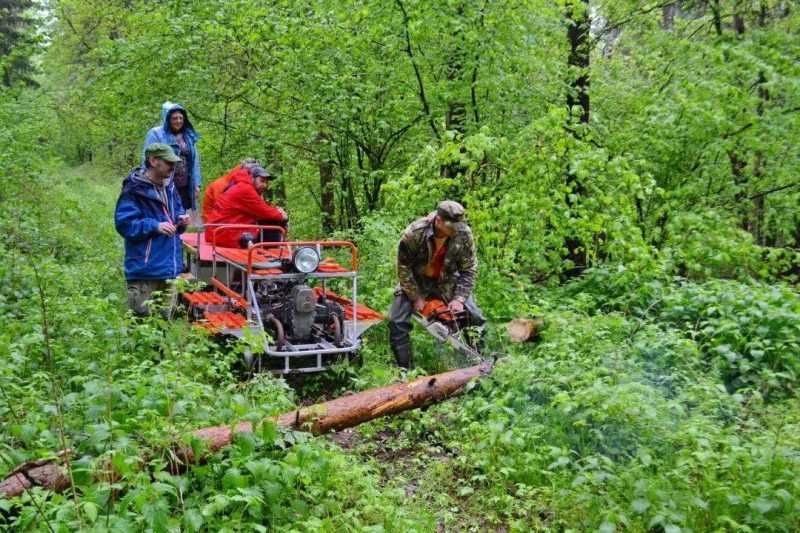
column 442, row 333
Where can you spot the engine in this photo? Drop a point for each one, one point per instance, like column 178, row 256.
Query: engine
column 303, row 315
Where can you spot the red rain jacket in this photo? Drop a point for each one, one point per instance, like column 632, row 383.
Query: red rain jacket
column 216, row 188
column 241, row 204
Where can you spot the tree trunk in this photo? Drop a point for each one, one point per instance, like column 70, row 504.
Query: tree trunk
column 276, row 193
column 738, row 19
column 759, row 163
column 578, row 60
column 612, row 40
column 716, row 16
column 797, row 227
column 334, row 415
column 738, row 165
column 326, row 187
column 409, row 50
column 668, row 13
column 577, row 96
column 455, row 116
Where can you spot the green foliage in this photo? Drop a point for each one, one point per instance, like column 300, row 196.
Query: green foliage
column 18, row 41
column 688, row 127
column 663, row 394
column 747, row 331
column 121, row 388
column 618, row 421
column 522, row 213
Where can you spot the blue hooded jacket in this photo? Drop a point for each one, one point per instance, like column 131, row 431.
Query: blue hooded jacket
column 139, row 211
column 162, row 134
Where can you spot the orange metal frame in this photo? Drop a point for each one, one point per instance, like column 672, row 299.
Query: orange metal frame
column 328, row 244
column 241, row 302
column 240, row 226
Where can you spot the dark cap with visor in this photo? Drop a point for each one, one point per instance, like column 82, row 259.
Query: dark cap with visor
column 260, row 172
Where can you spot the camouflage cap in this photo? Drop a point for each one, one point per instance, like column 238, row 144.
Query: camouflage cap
column 452, row 214
column 249, row 162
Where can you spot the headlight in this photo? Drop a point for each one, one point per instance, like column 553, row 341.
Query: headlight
column 305, row 260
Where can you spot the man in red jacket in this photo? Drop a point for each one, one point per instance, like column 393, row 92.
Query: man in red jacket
column 242, row 204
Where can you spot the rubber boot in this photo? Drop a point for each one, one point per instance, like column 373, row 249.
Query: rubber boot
column 402, row 355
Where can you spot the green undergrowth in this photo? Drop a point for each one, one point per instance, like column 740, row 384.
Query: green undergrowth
column 650, row 404
column 121, row 393
column 665, row 407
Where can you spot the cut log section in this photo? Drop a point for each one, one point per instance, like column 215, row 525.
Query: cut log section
column 525, row 329
column 333, row 415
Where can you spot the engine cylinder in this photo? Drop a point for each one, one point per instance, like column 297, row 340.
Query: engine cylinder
column 304, row 306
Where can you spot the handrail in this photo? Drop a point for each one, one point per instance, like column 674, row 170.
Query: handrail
column 287, row 244
column 280, row 229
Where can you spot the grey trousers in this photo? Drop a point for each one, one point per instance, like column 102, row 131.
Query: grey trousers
column 400, row 319
column 141, row 292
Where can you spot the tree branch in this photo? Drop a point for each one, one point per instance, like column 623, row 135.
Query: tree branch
column 421, row 86
column 634, row 13
column 772, row 190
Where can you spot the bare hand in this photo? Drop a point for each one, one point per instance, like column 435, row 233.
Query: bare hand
column 166, row 228
column 183, row 220
column 456, row 306
column 283, row 214
column 419, row 304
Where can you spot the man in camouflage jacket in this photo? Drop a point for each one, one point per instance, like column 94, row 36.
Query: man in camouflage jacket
column 435, row 259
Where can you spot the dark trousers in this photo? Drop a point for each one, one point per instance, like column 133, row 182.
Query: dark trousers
column 185, row 192
column 400, row 324
column 271, row 235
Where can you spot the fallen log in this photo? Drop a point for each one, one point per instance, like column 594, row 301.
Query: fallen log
column 524, row 329
column 333, row 415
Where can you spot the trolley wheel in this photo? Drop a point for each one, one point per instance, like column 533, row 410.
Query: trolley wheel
column 355, row 359
column 336, row 324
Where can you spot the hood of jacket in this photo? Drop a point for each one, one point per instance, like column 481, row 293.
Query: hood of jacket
column 188, row 129
column 242, row 176
column 137, row 183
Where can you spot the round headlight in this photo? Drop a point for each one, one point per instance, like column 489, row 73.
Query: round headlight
column 305, row 260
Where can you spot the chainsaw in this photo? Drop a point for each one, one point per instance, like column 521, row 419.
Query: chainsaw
column 445, row 325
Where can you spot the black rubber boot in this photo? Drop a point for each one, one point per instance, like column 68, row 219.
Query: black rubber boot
column 402, row 355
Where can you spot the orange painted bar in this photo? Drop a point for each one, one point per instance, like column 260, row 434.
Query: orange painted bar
column 241, row 302
column 329, row 244
column 240, row 226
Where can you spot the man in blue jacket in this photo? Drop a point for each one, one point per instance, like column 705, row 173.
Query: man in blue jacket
column 177, row 131
column 150, row 218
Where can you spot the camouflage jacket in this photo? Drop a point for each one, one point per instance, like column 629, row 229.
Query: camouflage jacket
column 459, row 271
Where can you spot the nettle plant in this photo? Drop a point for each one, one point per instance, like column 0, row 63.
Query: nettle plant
column 747, row 331
column 621, row 419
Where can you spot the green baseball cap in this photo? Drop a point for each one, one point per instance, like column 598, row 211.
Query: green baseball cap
column 162, row 151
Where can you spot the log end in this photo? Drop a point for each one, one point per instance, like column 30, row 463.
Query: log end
column 524, row 329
